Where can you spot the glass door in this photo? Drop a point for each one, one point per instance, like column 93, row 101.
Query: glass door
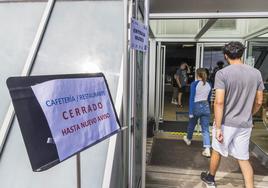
column 160, row 83
column 210, row 57
column 137, row 110
column 257, row 56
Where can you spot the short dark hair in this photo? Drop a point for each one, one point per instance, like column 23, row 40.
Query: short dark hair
column 234, row 50
column 220, row 63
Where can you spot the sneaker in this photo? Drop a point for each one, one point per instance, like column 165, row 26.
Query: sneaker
column 174, row 102
column 187, row 141
column 209, row 183
column 206, row 152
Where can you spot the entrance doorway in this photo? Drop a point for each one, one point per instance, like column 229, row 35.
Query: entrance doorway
column 208, row 35
column 177, row 54
column 195, row 55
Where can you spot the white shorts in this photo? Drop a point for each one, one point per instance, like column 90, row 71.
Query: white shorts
column 235, row 142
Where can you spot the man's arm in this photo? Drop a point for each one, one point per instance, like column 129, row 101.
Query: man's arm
column 258, row 102
column 219, row 107
column 178, row 81
column 188, row 69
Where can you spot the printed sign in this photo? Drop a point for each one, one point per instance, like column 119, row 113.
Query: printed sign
column 79, row 112
column 139, row 36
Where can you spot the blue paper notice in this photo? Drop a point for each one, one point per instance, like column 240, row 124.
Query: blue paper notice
column 79, row 112
column 139, row 36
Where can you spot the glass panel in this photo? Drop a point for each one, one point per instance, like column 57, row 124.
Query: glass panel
column 225, row 24
column 227, row 28
column 82, row 37
column 16, row 36
column 258, row 53
column 213, row 60
column 222, row 28
column 236, row 28
column 19, row 23
column 15, row 169
column 183, row 28
column 256, row 24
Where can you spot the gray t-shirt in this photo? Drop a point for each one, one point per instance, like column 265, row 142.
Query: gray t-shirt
column 240, row 83
column 182, row 74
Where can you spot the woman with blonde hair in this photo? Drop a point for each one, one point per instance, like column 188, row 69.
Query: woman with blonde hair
column 199, row 109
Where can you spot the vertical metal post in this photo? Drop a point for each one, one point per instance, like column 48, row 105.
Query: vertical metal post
column 126, row 103
column 145, row 97
column 131, row 83
column 163, row 74
column 152, row 81
column 78, row 170
column 246, row 43
column 157, row 85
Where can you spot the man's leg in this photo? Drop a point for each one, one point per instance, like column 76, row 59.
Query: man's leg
column 174, row 95
column 209, row 178
column 239, row 149
column 179, row 98
column 247, row 172
column 214, row 162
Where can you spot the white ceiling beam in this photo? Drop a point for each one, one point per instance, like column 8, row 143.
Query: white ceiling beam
column 205, row 28
column 205, row 40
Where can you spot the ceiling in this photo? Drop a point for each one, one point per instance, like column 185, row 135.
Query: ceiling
column 207, row 6
column 221, row 29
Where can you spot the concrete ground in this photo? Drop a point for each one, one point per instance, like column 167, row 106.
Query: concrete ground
column 175, row 165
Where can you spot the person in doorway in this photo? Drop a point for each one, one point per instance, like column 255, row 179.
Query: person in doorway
column 220, row 65
column 239, row 94
column 199, row 109
column 182, row 78
column 175, row 89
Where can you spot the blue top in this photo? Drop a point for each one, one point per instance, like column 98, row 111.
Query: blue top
column 199, row 92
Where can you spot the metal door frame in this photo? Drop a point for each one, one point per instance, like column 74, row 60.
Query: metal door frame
column 163, row 73
column 160, row 83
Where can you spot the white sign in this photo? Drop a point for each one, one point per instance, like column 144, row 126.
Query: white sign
column 139, row 36
column 79, row 112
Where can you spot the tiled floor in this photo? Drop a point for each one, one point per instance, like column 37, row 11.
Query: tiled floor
column 171, row 109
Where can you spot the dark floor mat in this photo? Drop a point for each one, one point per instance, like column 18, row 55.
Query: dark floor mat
column 173, row 126
column 174, row 153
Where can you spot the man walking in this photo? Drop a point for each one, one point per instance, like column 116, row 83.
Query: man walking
column 182, row 79
column 239, row 95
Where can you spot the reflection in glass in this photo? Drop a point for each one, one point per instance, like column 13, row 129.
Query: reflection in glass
column 19, row 24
